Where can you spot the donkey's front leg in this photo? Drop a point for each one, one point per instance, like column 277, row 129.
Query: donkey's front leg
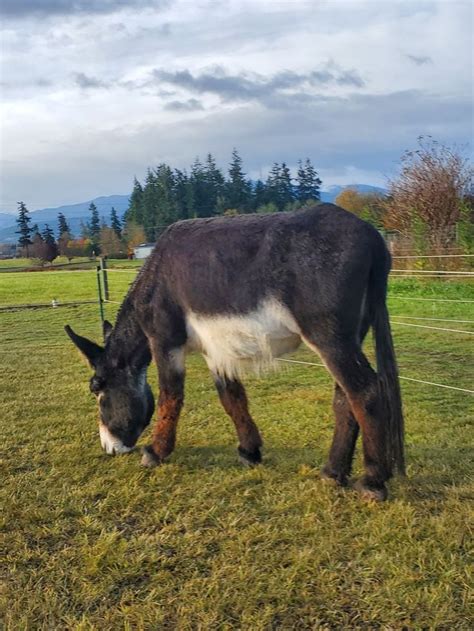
column 234, row 400
column 170, row 402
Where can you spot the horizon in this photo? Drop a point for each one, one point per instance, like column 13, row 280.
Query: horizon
column 327, row 189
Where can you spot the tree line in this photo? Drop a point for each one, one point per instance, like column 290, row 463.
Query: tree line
column 168, row 195
column 97, row 237
column 430, row 203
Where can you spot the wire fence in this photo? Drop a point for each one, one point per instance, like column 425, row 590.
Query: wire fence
column 86, row 297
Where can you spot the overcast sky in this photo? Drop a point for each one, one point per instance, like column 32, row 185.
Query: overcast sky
column 95, row 91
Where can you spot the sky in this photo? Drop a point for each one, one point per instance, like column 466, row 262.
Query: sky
column 96, row 91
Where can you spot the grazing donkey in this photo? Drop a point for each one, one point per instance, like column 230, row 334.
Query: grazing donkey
column 242, row 291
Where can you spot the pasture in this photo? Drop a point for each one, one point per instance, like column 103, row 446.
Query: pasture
column 94, row 542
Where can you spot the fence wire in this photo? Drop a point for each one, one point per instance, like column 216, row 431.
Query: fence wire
column 71, row 297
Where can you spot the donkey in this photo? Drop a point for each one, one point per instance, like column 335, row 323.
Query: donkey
column 242, row 291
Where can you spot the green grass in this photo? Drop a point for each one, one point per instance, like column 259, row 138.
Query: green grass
column 94, row 542
column 31, row 263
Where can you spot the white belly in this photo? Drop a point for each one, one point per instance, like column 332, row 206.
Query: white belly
column 234, row 344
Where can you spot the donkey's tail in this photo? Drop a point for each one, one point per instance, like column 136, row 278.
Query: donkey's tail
column 387, row 370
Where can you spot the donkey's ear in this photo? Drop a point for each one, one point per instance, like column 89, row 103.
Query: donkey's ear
column 91, row 351
column 107, row 329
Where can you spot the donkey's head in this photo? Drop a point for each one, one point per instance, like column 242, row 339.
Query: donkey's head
column 124, row 397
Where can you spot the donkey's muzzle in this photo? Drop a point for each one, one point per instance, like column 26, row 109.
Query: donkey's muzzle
column 110, row 443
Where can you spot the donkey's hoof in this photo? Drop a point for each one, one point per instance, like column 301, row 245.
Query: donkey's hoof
column 371, row 493
column 249, row 458
column 149, row 458
column 331, row 477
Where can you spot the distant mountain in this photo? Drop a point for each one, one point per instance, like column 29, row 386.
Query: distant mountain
column 74, row 214
column 333, row 191
column 6, row 219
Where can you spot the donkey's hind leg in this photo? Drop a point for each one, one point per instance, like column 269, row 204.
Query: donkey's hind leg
column 170, row 402
column 346, row 430
column 234, row 400
column 352, row 371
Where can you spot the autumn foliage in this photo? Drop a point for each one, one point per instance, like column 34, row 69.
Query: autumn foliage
column 430, row 192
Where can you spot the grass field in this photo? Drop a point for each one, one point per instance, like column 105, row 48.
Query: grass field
column 94, row 542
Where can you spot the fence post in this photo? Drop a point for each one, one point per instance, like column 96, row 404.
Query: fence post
column 101, row 300
column 103, row 267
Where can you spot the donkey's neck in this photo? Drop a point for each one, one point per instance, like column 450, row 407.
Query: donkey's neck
column 128, row 344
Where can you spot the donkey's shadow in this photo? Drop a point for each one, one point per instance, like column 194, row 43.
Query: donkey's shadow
column 423, row 483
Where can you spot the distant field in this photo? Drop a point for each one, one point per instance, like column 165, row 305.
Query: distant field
column 63, row 262
column 94, row 542
column 24, row 262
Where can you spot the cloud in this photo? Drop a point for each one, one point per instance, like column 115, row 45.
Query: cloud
column 190, row 105
column 253, row 86
column 26, row 8
column 85, row 82
column 239, row 73
column 420, row 60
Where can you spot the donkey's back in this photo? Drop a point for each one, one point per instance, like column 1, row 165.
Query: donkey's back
column 313, row 260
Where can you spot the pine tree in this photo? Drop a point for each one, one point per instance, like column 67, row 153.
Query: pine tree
column 165, row 185
column 94, row 227
column 259, row 197
column 24, row 229
column 48, row 235
column 238, row 193
column 135, row 211
column 285, row 186
column 50, row 249
column 63, row 225
column 214, row 186
column 198, row 192
column 115, row 222
column 182, row 195
column 150, row 205
column 308, row 182
column 272, row 186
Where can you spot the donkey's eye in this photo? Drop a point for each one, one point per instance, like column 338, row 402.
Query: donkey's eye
column 97, row 384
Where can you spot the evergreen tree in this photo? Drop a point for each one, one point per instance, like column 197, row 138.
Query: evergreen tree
column 259, row 195
column 115, row 222
column 238, row 193
column 271, row 185
column 50, row 248
column 182, row 195
column 63, row 225
column 198, row 186
column 24, row 229
column 308, row 182
column 135, row 211
column 48, row 235
column 280, row 190
column 166, row 210
column 150, row 205
column 285, row 186
column 94, row 227
column 214, row 185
